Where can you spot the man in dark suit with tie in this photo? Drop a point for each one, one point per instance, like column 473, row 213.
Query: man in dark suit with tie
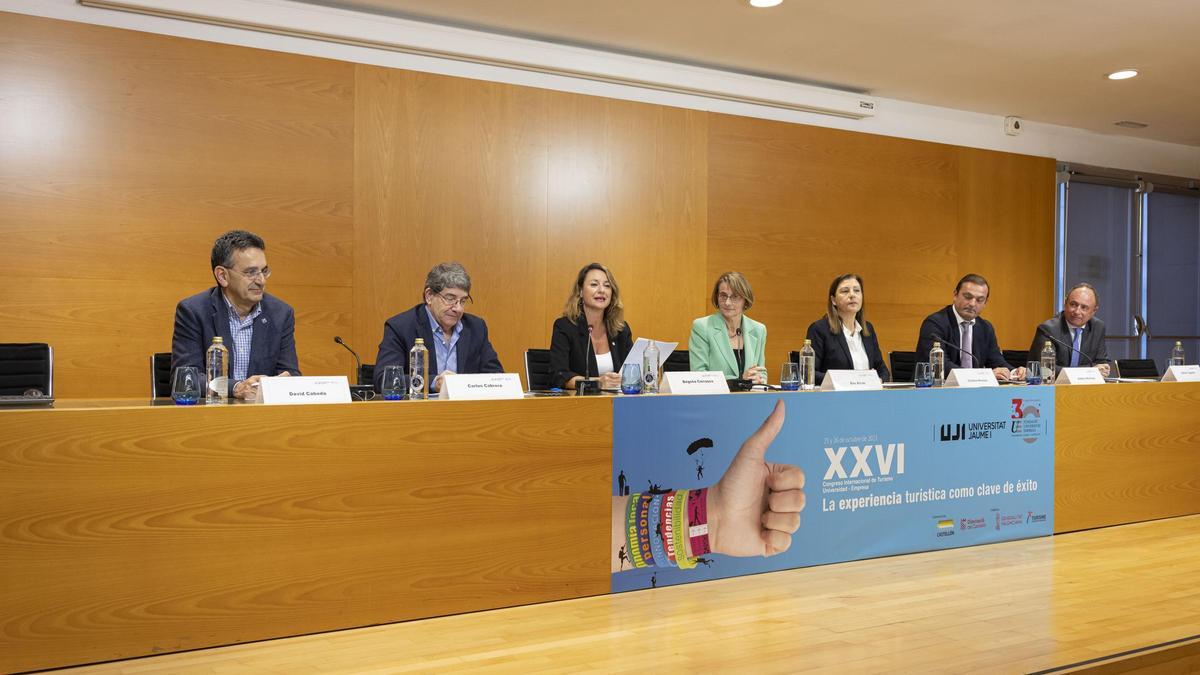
column 258, row 329
column 1076, row 335
column 968, row 340
column 457, row 341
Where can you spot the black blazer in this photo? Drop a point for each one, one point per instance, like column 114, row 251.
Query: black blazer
column 475, row 353
column 833, row 351
column 569, row 345
column 1092, row 343
column 205, row 315
column 984, row 349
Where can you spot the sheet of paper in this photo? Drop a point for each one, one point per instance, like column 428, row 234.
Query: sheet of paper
column 639, row 346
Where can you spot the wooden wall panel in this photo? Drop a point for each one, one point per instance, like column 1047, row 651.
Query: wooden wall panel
column 1125, row 453
column 794, row 206
column 130, row 152
column 125, row 154
column 524, row 187
column 450, row 169
column 1006, row 233
column 126, row 532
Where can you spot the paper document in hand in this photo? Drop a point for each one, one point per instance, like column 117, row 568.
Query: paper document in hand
column 664, row 350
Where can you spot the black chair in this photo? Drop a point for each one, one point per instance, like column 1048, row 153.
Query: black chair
column 1137, row 368
column 903, row 365
column 537, row 370
column 366, row 373
column 678, row 362
column 26, row 367
column 1016, row 358
column 160, row 374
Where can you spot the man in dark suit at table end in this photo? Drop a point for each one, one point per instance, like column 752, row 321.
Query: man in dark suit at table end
column 1077, row 336
column 968, row 340
column 457, row 341
column 258, row 329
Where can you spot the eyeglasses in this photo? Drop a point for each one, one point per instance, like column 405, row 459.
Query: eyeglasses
column 724, row 297
column 452, row 301
column 253, row 273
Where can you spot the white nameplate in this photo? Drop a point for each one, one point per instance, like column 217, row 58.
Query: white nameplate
column 480, row 386
column 851, row 380
column 971, row 377
column 705, row 382
column 306, row 389
column 1080, row 376
column 1182, row 374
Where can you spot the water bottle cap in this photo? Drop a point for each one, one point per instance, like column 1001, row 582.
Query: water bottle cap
column 218, row 340
column 1047, row 343
column 420, row 341
column 807, row 342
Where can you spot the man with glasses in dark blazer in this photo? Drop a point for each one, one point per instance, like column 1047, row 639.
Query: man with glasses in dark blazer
column 258, row 329
column 457, row 341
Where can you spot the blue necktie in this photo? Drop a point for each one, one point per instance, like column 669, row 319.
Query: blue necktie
column 1075, row 352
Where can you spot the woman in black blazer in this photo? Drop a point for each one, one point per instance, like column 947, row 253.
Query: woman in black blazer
column 594, row 306
column 843, row 339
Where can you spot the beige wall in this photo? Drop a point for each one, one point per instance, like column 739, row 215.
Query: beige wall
column 129, row 153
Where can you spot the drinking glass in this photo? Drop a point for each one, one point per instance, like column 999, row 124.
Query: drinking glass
column 186, row 385
column 1033, row 372
column 631, row 379
column 789, row 377
column 393, row 385
column 923, row 374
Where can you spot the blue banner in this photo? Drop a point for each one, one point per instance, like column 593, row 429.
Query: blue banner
column 886, row 472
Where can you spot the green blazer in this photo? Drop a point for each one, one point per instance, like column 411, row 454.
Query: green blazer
column 708, row 347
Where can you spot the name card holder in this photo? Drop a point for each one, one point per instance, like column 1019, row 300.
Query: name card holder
column 1079, row 376
column 851, row 380
column 971, row 377
column 702, row 382
column 305, row 389
column 482, row 386
column 1182, row 374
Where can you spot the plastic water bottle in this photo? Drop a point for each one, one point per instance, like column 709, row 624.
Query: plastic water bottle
column 1049, row 361
column 1177, row 354
column 650, row 369
column 216, row 370
column 808, row 366
column 937, row 363
column 418, row 371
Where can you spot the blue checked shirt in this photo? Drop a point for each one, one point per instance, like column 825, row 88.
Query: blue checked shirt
column 447, row 354
column 242, row 331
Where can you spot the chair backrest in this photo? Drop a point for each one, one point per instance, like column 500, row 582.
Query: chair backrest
column 1137, row 368
column 537, row 370
column 903, row 365
column 160, row 374
column 1016, row 358
column 25, row 366
column 678, row 362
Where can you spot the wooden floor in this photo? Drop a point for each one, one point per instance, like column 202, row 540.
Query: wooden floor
column 1014, row 607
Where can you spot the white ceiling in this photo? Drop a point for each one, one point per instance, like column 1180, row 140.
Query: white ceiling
column 1043, row 60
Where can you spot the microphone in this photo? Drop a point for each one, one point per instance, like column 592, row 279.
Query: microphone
column 358, row 378
column 1068, row 345
column 587, row 385
column 740, row 383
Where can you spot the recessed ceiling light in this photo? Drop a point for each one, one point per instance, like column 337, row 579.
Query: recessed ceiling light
column 764, row 3
column 1123, row 74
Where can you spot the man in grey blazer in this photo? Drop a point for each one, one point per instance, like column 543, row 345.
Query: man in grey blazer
column 258, row 329
column 1077, row 336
